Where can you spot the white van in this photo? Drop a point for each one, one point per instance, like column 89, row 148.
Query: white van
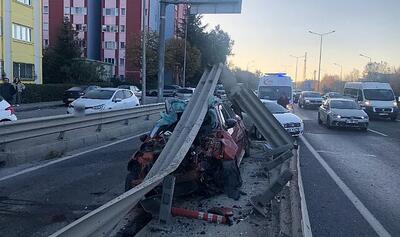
column 274, row 85
column 376, row 98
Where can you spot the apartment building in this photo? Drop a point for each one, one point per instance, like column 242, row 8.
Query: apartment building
column 21, row 40
column 107, row 27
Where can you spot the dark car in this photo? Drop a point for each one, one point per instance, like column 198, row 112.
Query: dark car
column 169, row 91
column 216, row 152
column 310, row 99
column 331, row 95
column 75, row 92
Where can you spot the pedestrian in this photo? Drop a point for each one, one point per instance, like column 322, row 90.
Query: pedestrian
column 7, row 90
column 20, row 87
column 283, row 100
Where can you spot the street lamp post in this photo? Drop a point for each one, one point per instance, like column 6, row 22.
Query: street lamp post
column 365, row 56
column 341, row 70
column 185, row 57
column 297, row 63
column 144, row 38
column 320, row 52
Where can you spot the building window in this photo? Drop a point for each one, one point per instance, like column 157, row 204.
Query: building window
column 26, row 2
column 45, row 26
column 23, row 71
column 110, row 28
column 123, row 11
column 46, row 42
column 20, row 32
column 110, row 11
column 122, row 46
column 122, row 61
column 78, row 10
column 109, row 45
column 67, row 10
column 80, row 27
column 109, row 60
column 122, row 28
column 45, row 9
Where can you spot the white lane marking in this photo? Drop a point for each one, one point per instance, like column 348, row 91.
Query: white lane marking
column 306, row 227
column 339, row 153
column 398, row 120
column 368, row 216
column 67, row 158
column 379, row 133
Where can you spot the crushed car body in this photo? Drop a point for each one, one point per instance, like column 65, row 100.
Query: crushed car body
column 212, row 164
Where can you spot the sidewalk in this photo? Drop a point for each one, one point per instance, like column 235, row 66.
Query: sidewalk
column 40, row 105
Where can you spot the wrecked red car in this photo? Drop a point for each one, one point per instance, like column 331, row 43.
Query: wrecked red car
column 212, row 163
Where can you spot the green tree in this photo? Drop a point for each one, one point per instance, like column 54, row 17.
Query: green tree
column 57, row 59
column 174, row 59
column 134, row 56
column 215, row 46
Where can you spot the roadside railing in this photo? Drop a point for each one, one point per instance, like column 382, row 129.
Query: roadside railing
column 36, row 127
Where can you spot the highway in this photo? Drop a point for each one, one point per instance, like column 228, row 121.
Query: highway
column 351, row 179
column 42, row 201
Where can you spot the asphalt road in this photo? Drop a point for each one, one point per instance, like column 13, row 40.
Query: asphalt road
column 40, row 202
column 351, row 178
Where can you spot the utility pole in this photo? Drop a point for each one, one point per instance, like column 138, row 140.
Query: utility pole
column 144, row 38
column 161, row 51
column 305, row 66
column 320, row 52
column 297, row 62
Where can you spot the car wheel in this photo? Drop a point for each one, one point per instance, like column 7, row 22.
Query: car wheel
column 393, row 118
column 364, row 129
column 319, row 119
column 153, row 93
column 328, row 123
column 301, row 105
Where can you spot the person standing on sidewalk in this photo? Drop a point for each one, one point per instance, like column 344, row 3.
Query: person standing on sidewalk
column 7, row 90
column 20, row 87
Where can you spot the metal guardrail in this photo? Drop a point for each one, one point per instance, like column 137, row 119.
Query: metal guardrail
column 31, row 128
column 263, row 119
column 102, row 220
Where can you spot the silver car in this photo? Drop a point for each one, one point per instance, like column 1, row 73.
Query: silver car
column 342, row 113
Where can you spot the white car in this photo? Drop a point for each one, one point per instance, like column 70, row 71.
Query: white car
column 184, row 93
column 105, row 99
column 135, row 89
column 292, row 123
column 7, row 112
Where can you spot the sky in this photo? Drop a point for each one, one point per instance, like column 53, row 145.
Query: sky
column 267, row 32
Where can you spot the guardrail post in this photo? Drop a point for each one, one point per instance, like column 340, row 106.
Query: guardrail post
column 165, row 216
column 98, row 129
column 61, row 135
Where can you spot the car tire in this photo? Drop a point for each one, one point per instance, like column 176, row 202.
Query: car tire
column 364, row 129
column 247, row 148
column 393, row 118
column 319, row 119
column 153, row 93
column 328, row 123
column 301, row 105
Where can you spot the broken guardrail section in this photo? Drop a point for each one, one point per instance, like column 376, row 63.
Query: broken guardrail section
column 101, row 221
